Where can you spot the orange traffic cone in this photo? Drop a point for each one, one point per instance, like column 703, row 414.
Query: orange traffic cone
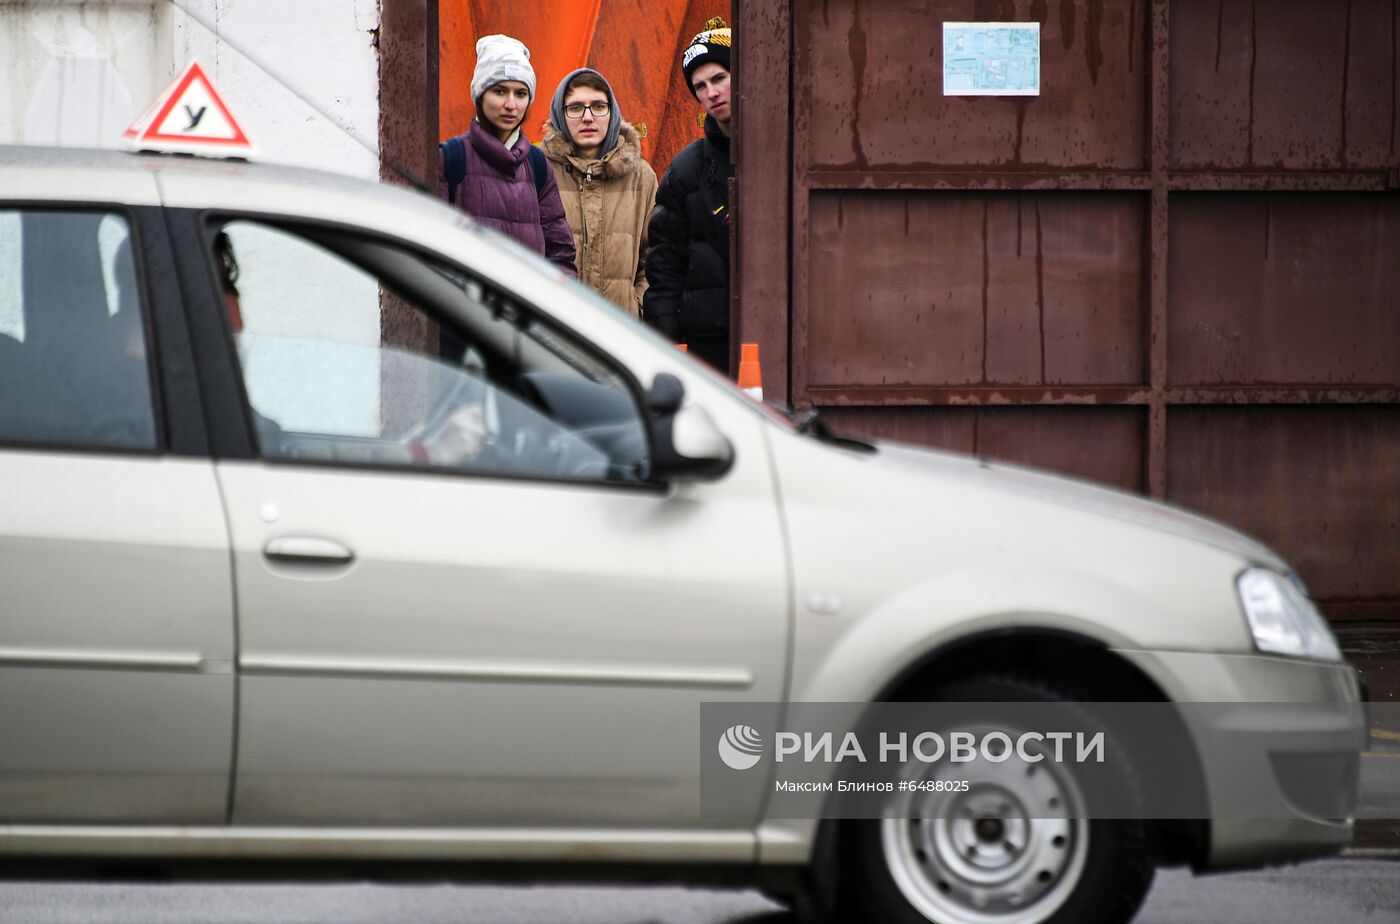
column 750, row 371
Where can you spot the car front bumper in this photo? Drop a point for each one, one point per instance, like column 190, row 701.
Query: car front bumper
column 1278, row 742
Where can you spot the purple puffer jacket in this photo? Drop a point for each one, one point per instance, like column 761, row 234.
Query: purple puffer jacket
column 499, row 191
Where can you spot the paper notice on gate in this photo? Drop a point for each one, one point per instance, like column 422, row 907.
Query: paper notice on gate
column 991, row 59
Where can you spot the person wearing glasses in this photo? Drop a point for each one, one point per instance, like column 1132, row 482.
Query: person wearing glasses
column 688, row 263
column 490, row 172
column 608, row 189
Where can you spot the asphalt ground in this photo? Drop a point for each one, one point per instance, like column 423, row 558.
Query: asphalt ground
column 1335, row 892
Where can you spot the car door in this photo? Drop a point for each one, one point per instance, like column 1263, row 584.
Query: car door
column 116, row 619
column 460, row 602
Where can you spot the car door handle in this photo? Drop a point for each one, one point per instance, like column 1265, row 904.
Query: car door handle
column 309, row 550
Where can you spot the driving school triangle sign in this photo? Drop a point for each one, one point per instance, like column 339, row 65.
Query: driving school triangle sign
column 189, row 117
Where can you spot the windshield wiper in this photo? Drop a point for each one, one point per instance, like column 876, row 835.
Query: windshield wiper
column 811, row 423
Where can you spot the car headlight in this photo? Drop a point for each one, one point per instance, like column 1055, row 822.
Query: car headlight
column 1283, row 619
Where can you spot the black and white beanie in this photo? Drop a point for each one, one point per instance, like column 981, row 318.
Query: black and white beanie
column 709, row 47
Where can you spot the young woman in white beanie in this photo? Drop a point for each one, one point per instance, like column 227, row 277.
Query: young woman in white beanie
column 608, row 189
column 491, row 171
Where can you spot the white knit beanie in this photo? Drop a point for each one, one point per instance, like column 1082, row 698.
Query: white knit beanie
column 500, row 58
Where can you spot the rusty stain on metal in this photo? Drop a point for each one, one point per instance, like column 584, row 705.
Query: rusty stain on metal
column 408, row 131
column 1039, row 283
column 1278, row 182
column 859, row 57
column 993, row 10
column 1159, row 68
column 1342, row 157
column 761, row 286
column 1117, row 181
column 1093, row 45
column 1268, row 226
column 993, row 395
column 1219, row 31
column 1253, row 393
column 1022, row 105
column 1132, row 36
column 1020, row 201
column 976, row 396
column 986, row 284
column 969, row 178
column 1067, row 23
column 1253, row 70
column 1040, row 9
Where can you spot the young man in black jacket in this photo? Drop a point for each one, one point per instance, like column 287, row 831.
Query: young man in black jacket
column 688, row 263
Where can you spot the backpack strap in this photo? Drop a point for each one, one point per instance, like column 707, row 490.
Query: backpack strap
column 538, row 165
column 454, row 161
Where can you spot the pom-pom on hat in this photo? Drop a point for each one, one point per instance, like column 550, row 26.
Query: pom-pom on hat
column 500, row 58
column 709, row 47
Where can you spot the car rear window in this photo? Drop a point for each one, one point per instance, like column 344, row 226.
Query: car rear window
column 74, row 368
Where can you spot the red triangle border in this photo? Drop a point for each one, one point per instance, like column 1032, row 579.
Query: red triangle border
column 195, row 72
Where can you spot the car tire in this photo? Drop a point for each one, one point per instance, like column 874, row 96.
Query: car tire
column 1088, row 870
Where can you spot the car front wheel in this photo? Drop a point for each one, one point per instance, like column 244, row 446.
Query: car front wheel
column 1020, row 844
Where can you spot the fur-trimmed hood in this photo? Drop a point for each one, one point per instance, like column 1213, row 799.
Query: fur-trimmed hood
column 618, row 162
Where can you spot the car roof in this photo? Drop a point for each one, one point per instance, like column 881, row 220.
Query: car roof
column 103, row 175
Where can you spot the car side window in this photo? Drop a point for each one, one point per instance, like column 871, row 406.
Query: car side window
column 345, row 360
column 74, row 371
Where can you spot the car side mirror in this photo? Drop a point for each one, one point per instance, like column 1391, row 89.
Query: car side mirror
column 686, row 444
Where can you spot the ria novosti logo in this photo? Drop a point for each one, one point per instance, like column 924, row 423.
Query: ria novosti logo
column 740, row 747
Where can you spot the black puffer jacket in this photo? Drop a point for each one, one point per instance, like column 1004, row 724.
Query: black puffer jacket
column 688, row 264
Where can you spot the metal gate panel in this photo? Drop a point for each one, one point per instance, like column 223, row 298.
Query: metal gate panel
column 1175, row 270
column 1284, row 288
column 1284, row 84
column 1103, row 444
column 875, row 94
column 1319, row 482
column 1024, row 289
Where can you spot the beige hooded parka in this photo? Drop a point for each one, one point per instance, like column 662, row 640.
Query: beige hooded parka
column 607, row 202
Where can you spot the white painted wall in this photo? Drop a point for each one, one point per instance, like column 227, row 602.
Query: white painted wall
column 300, row 76
column 278, row 61
column 77, row 73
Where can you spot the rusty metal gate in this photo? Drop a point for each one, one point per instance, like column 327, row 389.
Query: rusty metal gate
column 1176, row 270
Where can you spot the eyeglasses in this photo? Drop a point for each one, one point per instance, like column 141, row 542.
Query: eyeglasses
column 600, row 110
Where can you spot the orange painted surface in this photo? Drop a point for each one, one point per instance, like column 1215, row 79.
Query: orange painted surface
column 636, row 44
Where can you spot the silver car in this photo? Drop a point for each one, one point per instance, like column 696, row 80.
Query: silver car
column 338, row 529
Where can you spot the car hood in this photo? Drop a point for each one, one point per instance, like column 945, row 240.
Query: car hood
column 1076, row 495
